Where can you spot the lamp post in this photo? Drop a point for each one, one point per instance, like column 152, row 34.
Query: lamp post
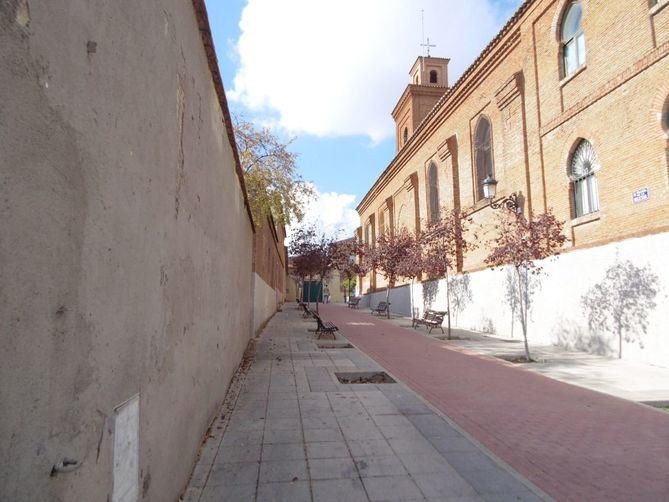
column 490, row 189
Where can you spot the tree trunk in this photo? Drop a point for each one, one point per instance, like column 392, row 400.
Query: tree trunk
column 388, row 301
column 620, row 342
column 309, row 293
column 523, row 312
column 448, row 304
column 413, row 314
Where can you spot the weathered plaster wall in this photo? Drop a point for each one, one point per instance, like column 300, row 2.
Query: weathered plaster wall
column 265, row 302
column 125, row 245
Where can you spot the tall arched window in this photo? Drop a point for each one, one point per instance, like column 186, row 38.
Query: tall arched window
column 482, row 153
column 665, row 116
column 405, row 135
column 573, row 39
column 433, row 77
column 584, row 165
column 433, row 191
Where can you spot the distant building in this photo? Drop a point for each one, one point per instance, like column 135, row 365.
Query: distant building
column 568, row 108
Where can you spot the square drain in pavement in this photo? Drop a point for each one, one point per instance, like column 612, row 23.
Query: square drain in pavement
column 364, row 377
column 334, row 346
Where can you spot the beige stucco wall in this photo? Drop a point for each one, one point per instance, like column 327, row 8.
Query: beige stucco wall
column 125, row 245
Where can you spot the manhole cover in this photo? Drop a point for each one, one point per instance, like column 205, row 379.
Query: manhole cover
column 364, row 377
column 335, row 346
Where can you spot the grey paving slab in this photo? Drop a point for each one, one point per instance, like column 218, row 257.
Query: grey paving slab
column 236, row 493
column 238, row 453
column 423, row 463
column 493, row 481
column 282, row 436
column 298, row 491
column 283, row 451
column 228, row 474
column 388, row 420
column 339, row 490
column 283, row 470
column 199, row 475
column 330, row 449
column 432, row 425
column 322, row 435
column 235, row 438
column 391, row 488
column 443, row 485
column 332, row 468
column 389, row 465
column 370, row 448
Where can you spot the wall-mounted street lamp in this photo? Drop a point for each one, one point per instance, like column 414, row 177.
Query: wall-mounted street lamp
column 490, row 189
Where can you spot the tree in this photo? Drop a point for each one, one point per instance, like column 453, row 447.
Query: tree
column 346, row 264
column 410, row 264
column 304, row 255
column 622, row 301
column 326, row 256
column 270, row 174
column 387, row 257
column 444, row 246
column 520, row 243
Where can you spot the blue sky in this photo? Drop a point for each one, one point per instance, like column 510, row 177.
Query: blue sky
column 329, row 74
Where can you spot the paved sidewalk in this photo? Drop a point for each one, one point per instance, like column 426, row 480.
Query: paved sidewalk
column 634, row 380
column 573, row 443
column 297, row 434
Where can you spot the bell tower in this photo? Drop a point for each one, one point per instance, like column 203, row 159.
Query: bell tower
column 429, row 82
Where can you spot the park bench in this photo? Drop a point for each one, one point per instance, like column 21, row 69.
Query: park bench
column 324, row 327
column 432, row 319
column 353, row 302
column 381, row 308
column 307, row 312
column 417, row 321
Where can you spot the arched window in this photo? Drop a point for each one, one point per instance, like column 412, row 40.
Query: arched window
column 665, row 116
column 433, row 192
column 482, row 153
column 573, row 39
column 405, row 135
column 584, row 165
column 433, row 77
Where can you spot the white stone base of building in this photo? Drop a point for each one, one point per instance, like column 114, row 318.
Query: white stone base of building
column 265, row 302
column 557, row 314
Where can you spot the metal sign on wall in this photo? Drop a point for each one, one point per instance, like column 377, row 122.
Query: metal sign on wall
column 641, row 195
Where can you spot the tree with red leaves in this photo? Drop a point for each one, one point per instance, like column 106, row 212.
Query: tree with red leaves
column 444, row 245
column 410, row 264
column 303, row 249
column 347, row 262
column 520, row 243
column 388, row 257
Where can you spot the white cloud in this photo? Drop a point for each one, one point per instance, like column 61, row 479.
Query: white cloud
column 330, row 213
column 335, row 68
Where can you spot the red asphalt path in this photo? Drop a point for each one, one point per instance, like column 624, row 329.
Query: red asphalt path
column 573, row 443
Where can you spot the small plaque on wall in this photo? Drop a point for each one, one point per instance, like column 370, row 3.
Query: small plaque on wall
column 641, row 195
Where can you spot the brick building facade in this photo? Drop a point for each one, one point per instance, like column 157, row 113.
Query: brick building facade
column 566, row 107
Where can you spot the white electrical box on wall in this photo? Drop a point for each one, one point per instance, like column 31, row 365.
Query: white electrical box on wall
column 126, row 451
